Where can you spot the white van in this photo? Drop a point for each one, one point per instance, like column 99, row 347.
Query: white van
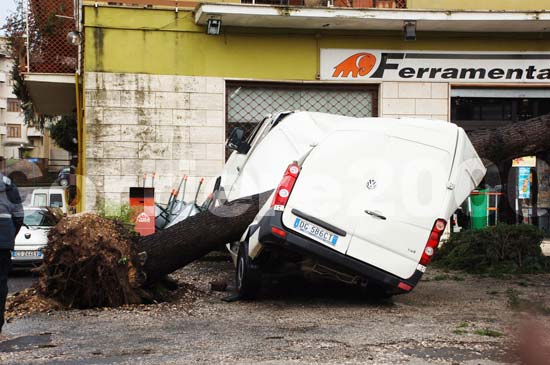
column 50, row 197
column 364, row 200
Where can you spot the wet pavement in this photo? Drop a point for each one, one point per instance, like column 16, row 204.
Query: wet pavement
column 448, row 319
column 20, row 279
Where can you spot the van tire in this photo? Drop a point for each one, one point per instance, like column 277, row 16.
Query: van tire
column 248, row 278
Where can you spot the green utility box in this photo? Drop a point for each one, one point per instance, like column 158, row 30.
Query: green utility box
column 478, row 209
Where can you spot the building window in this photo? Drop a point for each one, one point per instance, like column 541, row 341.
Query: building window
column 13, row 105
column 491, row 112
column 14, row 131
column 249, row 102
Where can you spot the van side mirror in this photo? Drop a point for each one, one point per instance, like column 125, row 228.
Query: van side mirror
column 236, row 141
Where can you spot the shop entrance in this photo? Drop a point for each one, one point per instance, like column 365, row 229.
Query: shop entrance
column 528, row 180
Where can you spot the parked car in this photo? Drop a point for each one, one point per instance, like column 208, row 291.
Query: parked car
column 361, row 200
column 50, row 197
column 64, row 176
column 32, row 237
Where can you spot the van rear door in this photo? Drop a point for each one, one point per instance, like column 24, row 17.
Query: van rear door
column 383, row 187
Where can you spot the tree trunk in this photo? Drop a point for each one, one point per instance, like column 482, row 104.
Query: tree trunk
column 501, row 145
column 91, row 261
column 173, row 248
column 526, row 138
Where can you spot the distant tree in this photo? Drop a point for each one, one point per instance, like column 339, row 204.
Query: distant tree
column 64, row 133
column 15, row 29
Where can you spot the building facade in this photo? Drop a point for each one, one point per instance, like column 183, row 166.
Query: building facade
column 161, row 95
column 17, row 140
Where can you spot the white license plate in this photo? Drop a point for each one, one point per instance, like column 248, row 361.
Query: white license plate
column 316, row 231
column 26, row 253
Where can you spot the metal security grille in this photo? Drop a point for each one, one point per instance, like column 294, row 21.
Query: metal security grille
column 49, row 23
column 248, row 103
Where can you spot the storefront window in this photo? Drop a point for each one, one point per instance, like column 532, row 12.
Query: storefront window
column 492, row 112
column 473, row 113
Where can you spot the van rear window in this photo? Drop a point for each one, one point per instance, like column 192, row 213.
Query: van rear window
column 56, row 201
column 40, row 200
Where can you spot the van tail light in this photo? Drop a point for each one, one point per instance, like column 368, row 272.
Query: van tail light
column 433, row 241
column 285, row 186
column 279, row 232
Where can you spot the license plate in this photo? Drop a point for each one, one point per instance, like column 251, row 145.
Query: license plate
column 316, row 231
column 26, row 253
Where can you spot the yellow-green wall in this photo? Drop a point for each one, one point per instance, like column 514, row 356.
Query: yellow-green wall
column 166, row 42
column 480, row 4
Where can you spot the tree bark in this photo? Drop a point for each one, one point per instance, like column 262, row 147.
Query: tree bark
column 526, row 138
column 173, row 248
column 501, row 145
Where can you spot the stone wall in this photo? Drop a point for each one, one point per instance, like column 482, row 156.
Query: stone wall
column 415, row 99
column 138, row 123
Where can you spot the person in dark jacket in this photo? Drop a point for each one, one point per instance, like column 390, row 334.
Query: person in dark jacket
column 11, row 220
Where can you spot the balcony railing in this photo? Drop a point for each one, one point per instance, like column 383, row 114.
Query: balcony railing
column 386, row 4
column 49, row 22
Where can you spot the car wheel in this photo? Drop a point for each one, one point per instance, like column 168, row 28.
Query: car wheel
column 248, row 278
column 64, row 182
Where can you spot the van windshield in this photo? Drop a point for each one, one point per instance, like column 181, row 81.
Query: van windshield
column 254, row 132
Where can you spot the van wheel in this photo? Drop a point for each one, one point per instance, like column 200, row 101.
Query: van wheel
column 248, row 278
column 64, row 182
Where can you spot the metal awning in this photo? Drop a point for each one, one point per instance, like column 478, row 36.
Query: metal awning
column 267, row 16
column 52, row 94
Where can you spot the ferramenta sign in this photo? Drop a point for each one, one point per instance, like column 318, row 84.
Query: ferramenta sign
column 426, row 66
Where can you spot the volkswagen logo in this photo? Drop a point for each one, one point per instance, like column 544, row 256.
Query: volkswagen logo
column 371, row 184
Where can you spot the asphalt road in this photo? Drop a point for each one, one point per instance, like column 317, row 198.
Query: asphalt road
column 19, row 280
column 450, row 318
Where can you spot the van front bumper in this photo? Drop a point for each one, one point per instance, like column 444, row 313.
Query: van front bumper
column 305, row 246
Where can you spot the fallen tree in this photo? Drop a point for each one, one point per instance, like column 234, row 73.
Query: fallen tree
column 525, row 138
column 499, row 146
column 91, row 261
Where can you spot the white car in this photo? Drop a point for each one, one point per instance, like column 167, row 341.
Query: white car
column 363, row 200
column 32, row 237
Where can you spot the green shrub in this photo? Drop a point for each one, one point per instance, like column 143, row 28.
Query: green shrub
column 505, row 248
column 118, row 212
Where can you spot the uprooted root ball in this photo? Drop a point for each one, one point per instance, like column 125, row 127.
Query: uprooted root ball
column 89, row 262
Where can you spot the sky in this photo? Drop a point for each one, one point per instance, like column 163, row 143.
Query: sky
column 6, row 7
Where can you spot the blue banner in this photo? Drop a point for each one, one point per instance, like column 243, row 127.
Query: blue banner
column 524, row 182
